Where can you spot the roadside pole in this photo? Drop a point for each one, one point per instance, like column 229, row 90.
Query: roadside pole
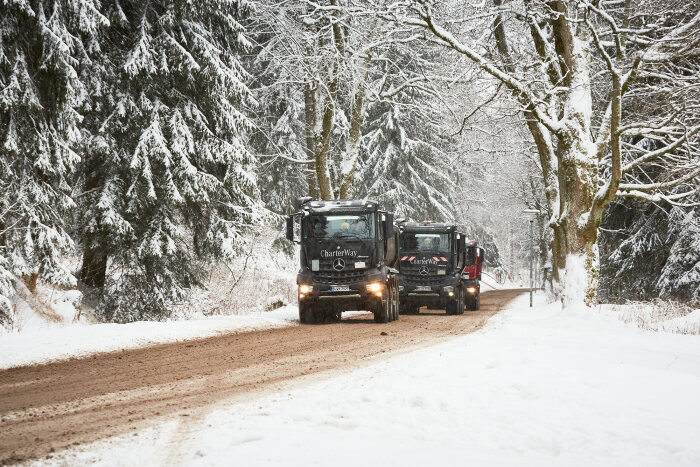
column 532, row 246
column 532, row 257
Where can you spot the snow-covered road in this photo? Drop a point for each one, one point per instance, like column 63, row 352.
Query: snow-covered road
column 536, row 387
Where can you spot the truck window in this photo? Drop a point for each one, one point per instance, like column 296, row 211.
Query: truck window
column 339, row 226
column 432, row 242
column 470, row 256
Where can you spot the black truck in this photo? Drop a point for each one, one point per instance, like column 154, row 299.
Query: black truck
column 433, row 257
column 349, row 256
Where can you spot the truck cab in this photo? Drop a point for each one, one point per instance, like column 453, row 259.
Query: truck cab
column 348, row 259
column 432, row 257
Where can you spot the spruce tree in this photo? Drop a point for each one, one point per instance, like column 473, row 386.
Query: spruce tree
column 44, row 51
column 402, row 164
column 167, row 180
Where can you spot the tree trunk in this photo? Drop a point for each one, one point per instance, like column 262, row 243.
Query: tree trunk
column 576, row 249
column 94, row 268
column 322, row 172
column 310, row 112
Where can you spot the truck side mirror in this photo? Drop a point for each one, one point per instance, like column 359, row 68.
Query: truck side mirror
column 290, row 228
column 462, row 244
column 300, row 202
column 482, row 255
column 388, row 225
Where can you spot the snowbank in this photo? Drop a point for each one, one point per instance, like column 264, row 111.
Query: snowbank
column 48, row 344
column 657, row 315
column 489, row 282
column 536, row 387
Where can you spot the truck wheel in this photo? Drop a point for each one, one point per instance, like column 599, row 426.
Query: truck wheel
column 307, row 314
column 474, row 302
column 382, row 310
column 457, row 302
column 451, row 308
column 460, row 302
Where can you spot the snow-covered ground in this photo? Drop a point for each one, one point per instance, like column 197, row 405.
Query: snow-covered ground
column 658, row 315
column 47, row 344
column 489, row 282
column 535, row 387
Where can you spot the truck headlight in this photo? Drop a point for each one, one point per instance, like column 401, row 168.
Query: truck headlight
column 375, row 287
column 471, row 290
column 304, row 288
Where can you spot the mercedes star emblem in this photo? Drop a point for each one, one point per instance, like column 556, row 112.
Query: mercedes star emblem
column 338, row 264
column 423, row 271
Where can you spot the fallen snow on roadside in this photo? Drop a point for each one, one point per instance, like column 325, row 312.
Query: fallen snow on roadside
column 657, row 316
column 78, row 340
column 535, row 387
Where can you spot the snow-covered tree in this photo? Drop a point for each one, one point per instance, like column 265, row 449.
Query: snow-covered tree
column 648, row 252
column 278, row 139
column 335, row 53
column 402, row 158
column 401, row 164
column 168, row 182
column 575, row 68
column 44, row 51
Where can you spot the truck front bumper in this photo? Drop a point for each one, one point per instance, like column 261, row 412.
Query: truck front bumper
column 344, row 296
column 435, row 295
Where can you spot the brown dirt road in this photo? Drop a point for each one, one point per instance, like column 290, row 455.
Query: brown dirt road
column 46, row 408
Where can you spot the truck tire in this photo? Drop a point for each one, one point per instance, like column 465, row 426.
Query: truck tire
column 307, row 313
column 456, row 306
column 460, row 308
column 474, row 302
column 396, row 303
column 382, row 310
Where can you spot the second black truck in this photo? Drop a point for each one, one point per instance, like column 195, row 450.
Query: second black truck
column 438, row 268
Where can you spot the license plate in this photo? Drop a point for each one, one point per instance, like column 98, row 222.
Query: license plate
column 340, row 288
column 423, row 288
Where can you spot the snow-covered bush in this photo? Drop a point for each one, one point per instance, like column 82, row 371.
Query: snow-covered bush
column 263, row 278
column 660, row 315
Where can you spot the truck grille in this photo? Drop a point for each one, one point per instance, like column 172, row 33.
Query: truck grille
column 338, row 277
column 417, row 279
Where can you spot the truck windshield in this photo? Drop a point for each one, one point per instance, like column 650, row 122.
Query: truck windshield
column 439, row 242
column 339, row 226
